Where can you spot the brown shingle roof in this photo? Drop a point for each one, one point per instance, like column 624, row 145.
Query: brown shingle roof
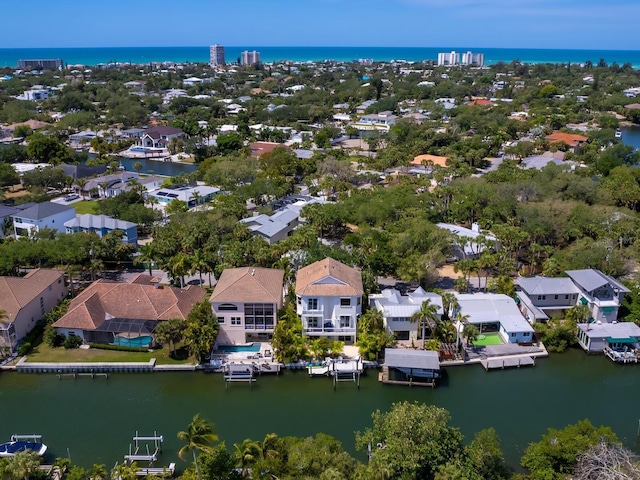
column 329, row 277
column 136, row 300
column 248, row 284
column 17, row 292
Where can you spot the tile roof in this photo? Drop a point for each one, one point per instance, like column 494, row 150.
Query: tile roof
column 329, row 277
column 17, row 292
column 436, row 159
column 260, row 148
column 138, row 299
column 570, row 139
column 249, row 284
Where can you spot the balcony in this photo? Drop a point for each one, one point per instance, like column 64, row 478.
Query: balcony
column 258, row 327
column 329, row 331
column 313, row 313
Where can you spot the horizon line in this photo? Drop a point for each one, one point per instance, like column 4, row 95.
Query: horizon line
column 324, row 46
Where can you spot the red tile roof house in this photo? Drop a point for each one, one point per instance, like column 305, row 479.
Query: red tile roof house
column 260, row 148
column 108, row 310
column 572, row 140
column 25, row 300
column 246, row 302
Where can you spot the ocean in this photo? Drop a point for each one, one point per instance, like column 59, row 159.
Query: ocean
column 93, row 56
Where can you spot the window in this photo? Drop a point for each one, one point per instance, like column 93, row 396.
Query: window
column 227, row 307
column 539, row 297
column 556, row 297
column 236, row 321
column 259, row 315
column 513, row 335
column 312, row 304
column 313, row 322
column 345, row 321
column 358, row 301
column 220, row 319
column 50, row 287
column 345, row 302
column 544, row 297
column 566, row 297
column 299, row 300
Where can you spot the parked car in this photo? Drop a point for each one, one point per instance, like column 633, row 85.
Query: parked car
column 71, row 197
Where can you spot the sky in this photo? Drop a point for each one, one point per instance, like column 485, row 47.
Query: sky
column 574, row 24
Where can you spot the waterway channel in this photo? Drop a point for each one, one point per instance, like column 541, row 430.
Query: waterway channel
column 96, row 418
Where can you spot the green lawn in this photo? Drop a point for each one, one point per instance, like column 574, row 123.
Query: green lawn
column 85, row 206
column 486, row 339
column 45, row 353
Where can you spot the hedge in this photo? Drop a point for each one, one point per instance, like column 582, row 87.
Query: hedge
column 121, row 348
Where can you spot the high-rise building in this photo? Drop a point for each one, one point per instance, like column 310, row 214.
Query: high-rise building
column 249, row 58
column 40, row 64
column 448, row 59
column 216, row 55
column 471, row 58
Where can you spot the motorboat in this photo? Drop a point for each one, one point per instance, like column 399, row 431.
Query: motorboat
column 9, row 449
column 618, row 133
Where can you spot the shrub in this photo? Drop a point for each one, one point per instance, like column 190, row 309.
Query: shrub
column 72, row 341
column 24, row 348
column 52, row 338
column 120, row 348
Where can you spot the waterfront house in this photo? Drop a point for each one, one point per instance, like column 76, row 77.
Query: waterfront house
column 107, row 186
column 246, row 302
column 376, row 121
column 25, row 300
column 329, row 300
column 597, row 337
column 495, row 313
column 160, row 136
column 101, row 225
column 113, row 312
column 51, row 215
column 397, row 310
column 541, row 298
column 601, row 293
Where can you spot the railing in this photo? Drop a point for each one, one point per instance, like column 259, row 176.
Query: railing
column 258, row 327
column 317, row 311
column 328, row 330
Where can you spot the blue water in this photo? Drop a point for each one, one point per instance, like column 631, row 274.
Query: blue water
column 93, row 56
column 254, row 347
column 631, row 136
column 143, row 341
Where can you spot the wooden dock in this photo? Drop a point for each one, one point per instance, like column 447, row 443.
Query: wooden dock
column 508, row 362
column 383, row 377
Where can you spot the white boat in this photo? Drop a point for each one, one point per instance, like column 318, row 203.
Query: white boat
column 618, row 133
column 9, row 449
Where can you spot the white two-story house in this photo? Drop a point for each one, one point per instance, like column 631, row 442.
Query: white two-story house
column 51, row 215
column 329, row 300
column 397, row 310
column 246, row 302
column 541, row 298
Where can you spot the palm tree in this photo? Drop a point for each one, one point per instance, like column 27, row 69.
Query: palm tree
column 198, row 436
column 180, row 265
column 81, row 183
column 247, row 453
column 147, row 255
column 23, row 464
column 137, row 166
column 449, row 303
column 103, row 186
column 428, row 313
column 462, row 320
column 199, row 263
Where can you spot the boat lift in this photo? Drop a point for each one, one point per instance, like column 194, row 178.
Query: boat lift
column 135, row 453
column 26, row 438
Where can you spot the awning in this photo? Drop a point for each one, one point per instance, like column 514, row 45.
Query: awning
column 584, row 300
column 621, row 340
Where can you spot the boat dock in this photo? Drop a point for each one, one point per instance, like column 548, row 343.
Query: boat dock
column 147, row 449
column 84, row 368
column 239, row 372
column 621, row 356
column 383, row 377
column 508, row 362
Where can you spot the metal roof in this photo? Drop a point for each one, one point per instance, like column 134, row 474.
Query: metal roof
column 614, row 330
column 492, row 307
column 547, row 286
column 591, row 279
column 405, row 358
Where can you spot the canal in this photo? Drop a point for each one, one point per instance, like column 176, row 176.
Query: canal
column 631, row 136
column 96, row 418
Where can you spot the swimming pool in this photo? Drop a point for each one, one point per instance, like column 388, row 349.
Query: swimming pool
column 143, row 341
column 144, row 150
column 250, row 347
